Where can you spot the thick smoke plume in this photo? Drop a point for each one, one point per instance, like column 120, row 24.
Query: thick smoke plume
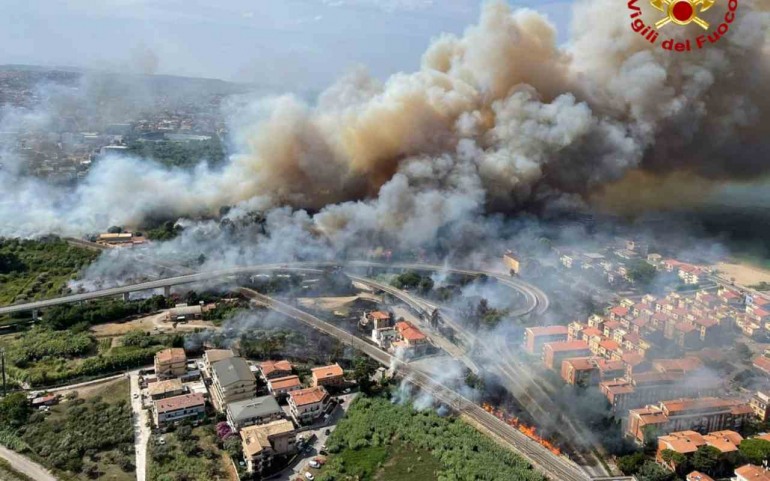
column 496, row 120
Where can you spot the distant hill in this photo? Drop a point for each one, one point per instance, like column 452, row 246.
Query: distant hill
column 158, row 84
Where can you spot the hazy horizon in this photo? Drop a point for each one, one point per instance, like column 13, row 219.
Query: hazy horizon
column 271, row 43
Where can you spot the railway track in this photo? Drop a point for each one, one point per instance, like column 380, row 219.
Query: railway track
column 557, row 468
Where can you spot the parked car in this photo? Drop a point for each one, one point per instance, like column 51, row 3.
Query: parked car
column 309, row 476
column 314, row 464
column 328, row 432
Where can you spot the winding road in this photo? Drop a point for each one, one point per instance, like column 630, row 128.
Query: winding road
column 536, row 302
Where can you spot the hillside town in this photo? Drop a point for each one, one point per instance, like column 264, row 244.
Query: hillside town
column 654, row 359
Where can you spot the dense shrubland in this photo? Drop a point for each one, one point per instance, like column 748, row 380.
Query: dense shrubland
column 462, row 452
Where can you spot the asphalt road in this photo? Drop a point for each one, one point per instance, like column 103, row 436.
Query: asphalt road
column 26, row 466
column 558, row 468
column 536, row 300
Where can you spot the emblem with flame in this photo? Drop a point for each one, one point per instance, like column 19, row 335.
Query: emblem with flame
column 682, row 12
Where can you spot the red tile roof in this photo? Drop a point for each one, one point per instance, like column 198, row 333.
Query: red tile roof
column 269, row 367
column 581, row 363
column 706, row 322
column 592, row 331
column 762, row 363
column 566, row 346
column 172, row 355
column 619, row 311
column 753, row 473
column 285, row 382
column 303, row 397
column 326, row 372
column 409, row 331
column 179, row 402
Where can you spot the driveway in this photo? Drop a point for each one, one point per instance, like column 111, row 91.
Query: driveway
column 26, row 466
column 141, row 431
column 299, row 467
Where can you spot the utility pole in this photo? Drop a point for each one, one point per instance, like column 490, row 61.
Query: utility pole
column 2, row 361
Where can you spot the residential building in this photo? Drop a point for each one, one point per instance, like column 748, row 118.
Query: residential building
column 170, row 363
column 580, row 371
column 275, row 369
column 536, row 337
column 307, row 405
column 651, row 387
column 698, row 476
column 702, row 414
column 231, row 381
column 174, row 409
column 763, row 363
column 384, row 337
column 556, row 352
column 409, row 339
column 751, row 472
column 760, row 404
column 328, row 376
column 376, row 320
column 260, row 410
column 589, row 371
column 688, row 442
column 210, row 356
column 164, row 389
column 261, row 443
column 282, row 386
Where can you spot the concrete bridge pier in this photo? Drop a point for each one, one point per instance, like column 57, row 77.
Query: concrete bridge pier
column 35, row 314
column 167, row 291
column 126, row 296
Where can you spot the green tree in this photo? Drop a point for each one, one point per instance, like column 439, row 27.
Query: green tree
column 15, row 409
column 631, row 463
column 641, row 272
column 706, row 459
column 233, row 447
column 363, row 370
column 652, row 471
column 755, row 450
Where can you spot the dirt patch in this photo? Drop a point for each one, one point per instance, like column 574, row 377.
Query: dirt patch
column 336, row 303
column 152, row 323
column 743, row 273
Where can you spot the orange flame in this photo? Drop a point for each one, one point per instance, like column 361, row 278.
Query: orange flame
column 528, row 431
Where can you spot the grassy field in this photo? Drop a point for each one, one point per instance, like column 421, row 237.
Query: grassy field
column 408, row 464
column 37, row 269
column 7, row 473
column 193, row 458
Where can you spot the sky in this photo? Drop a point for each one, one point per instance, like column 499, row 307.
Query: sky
column 276, row 43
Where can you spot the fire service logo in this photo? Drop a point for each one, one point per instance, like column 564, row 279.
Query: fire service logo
column 674, row 14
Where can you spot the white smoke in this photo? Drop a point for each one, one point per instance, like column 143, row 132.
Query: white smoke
column 495, row 119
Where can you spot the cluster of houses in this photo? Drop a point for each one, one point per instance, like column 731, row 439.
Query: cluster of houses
column 267, row 424
column 616, row 267
column 395, row 336
column 687, row 443
column 615, row 353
